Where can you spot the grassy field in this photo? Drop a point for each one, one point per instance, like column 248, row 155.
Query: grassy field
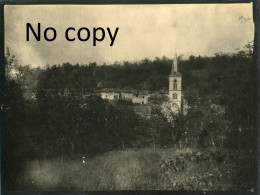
column 146, row 169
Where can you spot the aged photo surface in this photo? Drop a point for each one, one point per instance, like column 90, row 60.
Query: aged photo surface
column 129, row 97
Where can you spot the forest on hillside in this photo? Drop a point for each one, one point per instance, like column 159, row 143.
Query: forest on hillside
column 225, row 79
column 58, row 125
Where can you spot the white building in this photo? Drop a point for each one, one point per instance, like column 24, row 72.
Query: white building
column 134, row 96
column 140, row 98
column 128, row 95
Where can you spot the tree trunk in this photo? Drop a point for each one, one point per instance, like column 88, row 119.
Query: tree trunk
column 45, row 152
column 86, row 149
column 72, row 148
column 38, row 155
column 123, row 145
column 173, row 138
column 39, row 162
column 153, row 142
column 62, row 154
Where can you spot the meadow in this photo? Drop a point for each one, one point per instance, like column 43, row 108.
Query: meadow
column 145, row 169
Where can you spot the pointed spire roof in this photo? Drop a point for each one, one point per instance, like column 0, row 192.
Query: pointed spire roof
column 174, row 70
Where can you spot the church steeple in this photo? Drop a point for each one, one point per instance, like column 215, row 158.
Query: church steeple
column 174, row 65
column 175, row 91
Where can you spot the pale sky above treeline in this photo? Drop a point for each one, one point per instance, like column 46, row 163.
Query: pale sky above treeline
column 145, row 31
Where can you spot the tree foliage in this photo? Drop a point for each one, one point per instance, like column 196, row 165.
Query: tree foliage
column 69, row 118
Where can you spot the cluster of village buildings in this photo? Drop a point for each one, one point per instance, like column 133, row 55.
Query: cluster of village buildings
column 174, row 95
column 135, row 96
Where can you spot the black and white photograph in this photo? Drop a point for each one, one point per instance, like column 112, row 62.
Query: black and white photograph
column 132, row 97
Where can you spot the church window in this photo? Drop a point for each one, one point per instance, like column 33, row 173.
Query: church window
column 175, row 84
column 174, row 96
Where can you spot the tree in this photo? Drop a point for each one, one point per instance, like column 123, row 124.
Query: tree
column 17, row 144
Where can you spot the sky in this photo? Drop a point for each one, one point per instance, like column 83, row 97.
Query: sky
column 145, row 31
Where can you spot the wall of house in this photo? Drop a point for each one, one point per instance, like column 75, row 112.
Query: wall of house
column 140, row 99
column 110, row 95
column 127, row 95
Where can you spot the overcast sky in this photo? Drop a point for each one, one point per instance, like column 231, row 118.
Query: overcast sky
column 145, row 31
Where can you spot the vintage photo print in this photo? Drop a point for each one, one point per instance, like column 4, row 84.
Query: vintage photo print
column 129, row 97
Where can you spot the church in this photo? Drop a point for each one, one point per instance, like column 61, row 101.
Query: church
column 175, row 101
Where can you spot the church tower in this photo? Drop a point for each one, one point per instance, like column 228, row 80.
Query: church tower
column 175, row 94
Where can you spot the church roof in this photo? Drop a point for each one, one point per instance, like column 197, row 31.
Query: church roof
column 175, row 74
column 174, row 71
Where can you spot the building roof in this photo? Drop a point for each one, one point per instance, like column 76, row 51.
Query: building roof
column 175, row 74
column 174, row 71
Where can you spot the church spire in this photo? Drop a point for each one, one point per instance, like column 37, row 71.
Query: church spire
column 174, row 64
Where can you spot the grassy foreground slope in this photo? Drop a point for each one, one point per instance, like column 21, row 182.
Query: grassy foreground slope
column 146, row 169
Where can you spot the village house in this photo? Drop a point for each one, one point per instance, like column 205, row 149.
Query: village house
column 175, row 96
column 134, row 96
column 110, row 94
